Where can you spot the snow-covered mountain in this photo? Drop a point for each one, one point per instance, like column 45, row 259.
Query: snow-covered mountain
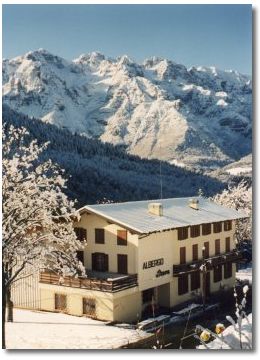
column 242, row 167
column 159, row 109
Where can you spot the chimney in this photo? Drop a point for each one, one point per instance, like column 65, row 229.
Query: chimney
column 155, row 209
column 194, row 204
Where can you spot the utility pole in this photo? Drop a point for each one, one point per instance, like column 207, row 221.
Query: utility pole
column 204, row 274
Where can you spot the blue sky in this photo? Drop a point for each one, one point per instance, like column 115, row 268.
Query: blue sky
column 218, row 35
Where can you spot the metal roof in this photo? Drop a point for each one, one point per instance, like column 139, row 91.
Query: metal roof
column 176, row 213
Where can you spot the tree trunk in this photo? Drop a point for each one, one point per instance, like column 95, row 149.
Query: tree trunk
column 3, row 315
column 10, row 306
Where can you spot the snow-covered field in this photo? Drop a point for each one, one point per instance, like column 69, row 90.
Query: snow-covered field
column 245, row 274
column 231, row 337
column 43, row 330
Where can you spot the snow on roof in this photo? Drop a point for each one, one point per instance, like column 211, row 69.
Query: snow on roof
column 176, row 213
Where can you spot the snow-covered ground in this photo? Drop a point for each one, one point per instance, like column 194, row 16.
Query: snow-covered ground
column 231, row 336
column 43, row 330
column 239, row 170
column 245, row 274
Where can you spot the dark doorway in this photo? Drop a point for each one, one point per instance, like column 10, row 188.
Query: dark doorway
column 122, row 264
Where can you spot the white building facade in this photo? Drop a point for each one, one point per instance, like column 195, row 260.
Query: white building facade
column 146, row 254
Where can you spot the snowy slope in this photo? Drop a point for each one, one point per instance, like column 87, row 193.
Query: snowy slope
column 231, row 337
column 241, row 167
column 43, row 330
column 158, row 109
column 235, row 171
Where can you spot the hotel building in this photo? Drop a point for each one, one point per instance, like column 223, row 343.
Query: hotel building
column 144, row 253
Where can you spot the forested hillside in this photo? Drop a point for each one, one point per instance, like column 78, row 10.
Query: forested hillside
column 97, row 170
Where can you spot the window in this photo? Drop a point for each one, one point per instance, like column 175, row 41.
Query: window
column 227, row 244
column 99, row 236
column 121, row 264
column 195, row 252
column 195, row 280
column 217, row 246
column 206, row 229
column 182, row 255
column 89, row 307
column 80, row 256
column 148, row 295
column 60, row 302
column 81, row 233
column 227, row 225
column 217, row 273
column 183, row 285
column 206, row 251
column 195, row 231
column 217, row 227
column 182, row 233
column 122, row 237
column 99, row 262
column 227, row 270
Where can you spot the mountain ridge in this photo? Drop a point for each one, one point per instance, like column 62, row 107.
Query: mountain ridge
column 199, row 116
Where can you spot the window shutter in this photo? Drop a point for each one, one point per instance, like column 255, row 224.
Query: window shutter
column 182, row 233
column 122, row 237
column 84, row 234
column 80, row 256
column 89, row 307
column 81, row 233
column 60, row 302
column 183, row 284
column 217, row 227
column 217, row 273
column 99, row 236
column 195, row 280
column 93, row 256
column 122, row 263
column 227, row 270
column 228, row 244
column 227, row 225
column 182, row 255
column 195, row 231
column 206, row 251
column 105, row 262
column 195, row 252
column 206, row 229
column 217, row 246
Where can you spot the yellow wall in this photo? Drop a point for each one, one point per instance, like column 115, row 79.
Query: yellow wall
column 152, row 247
column 167, row 246
column 91, row 222
column 224, row 284
column 120, row 306
column 128, row 308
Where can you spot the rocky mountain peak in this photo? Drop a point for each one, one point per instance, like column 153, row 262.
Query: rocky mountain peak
column 161, row 109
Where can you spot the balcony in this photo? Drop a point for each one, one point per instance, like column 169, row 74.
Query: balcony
column 107, row 282
column 233, row 256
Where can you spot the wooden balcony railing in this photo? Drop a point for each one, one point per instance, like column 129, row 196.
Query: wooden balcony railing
column 233, row 256
column 109, row 285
